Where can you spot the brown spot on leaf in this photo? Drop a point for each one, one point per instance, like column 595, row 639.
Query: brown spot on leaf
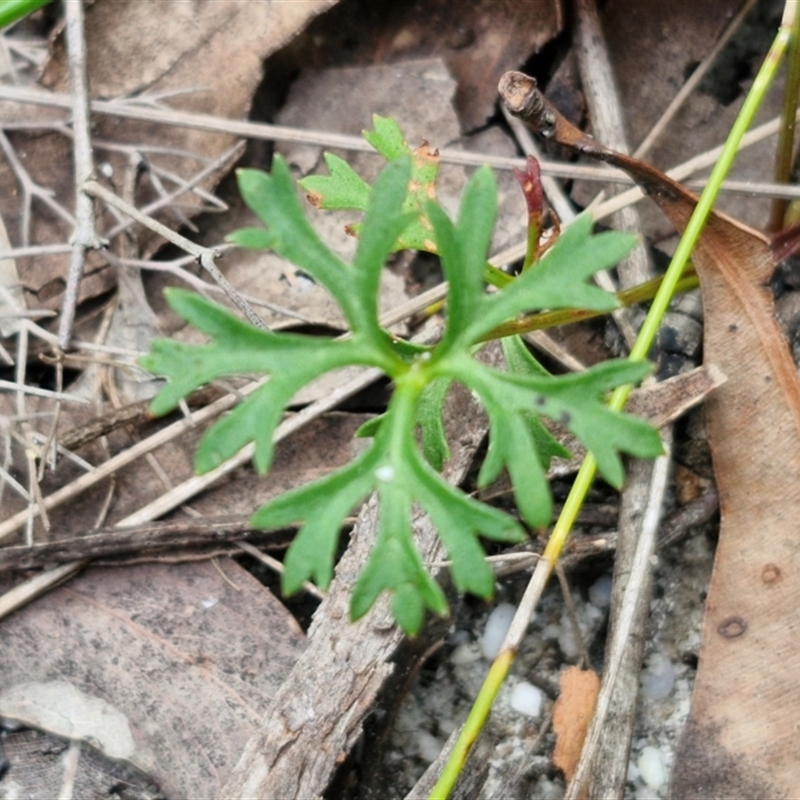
column 315, row 198
column 424, row 153
column 770, row 573
column 732, row 627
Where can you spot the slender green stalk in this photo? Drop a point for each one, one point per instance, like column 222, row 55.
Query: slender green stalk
column 567, row 316
column 583, row 481
column 12, row 11
column 473, row 726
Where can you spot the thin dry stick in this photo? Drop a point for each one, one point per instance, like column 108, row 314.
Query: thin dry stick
column 228, row 157
column 278, row 567
column 605, row 110
column 258, row 130
column 640, row 570
column 85, row 236
column 205, row 257
column 175, row 268
column 150, row 539
column 30, row 190
column 610, row 760
column 84, row 482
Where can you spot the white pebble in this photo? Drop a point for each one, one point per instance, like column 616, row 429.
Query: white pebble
column 551, row 632
column 600, row 592
column 428, row 746
column 651, row 767
column 464, row 654
column 497, row 626
column 567, row 640
column 527, row 699
column 658, row 679
column 548, row 790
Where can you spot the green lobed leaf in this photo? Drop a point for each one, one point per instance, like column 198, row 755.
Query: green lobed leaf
column 344, row 188
column 395, row 566
column 521, row 362
column 292, row 361
column 322, row 506
column 393, row 465
column 512, row 446
column 460, row 520
column 463, row 248
column 429, row 421
column 273, row 198
column 252, row 238
column 577, row 401
column 559, row 280
column 387, row 138
column 383, row 223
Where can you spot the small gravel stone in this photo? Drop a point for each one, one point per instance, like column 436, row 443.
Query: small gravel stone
column 600, row 592
column 527, row 699
column 497, row 626
column 658, row 679
column 651, row 767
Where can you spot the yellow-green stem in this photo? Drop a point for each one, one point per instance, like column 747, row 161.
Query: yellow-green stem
column 473, row 726
column 644, row 342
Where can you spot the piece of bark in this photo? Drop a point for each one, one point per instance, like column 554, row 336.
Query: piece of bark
column 316, row 716
column 610, row 763
column 605, row 111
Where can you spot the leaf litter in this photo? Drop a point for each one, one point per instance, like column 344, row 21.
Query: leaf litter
column 753, row 424
column 63, row 156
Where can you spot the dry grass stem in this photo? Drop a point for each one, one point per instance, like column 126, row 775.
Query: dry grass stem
column 204, row 256
column 85, row 235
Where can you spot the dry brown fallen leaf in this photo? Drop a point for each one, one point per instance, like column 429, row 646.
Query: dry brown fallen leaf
column 195, row 55
column 167, row 667
column 741, row 736
column 572, row 714
column 478, row 41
